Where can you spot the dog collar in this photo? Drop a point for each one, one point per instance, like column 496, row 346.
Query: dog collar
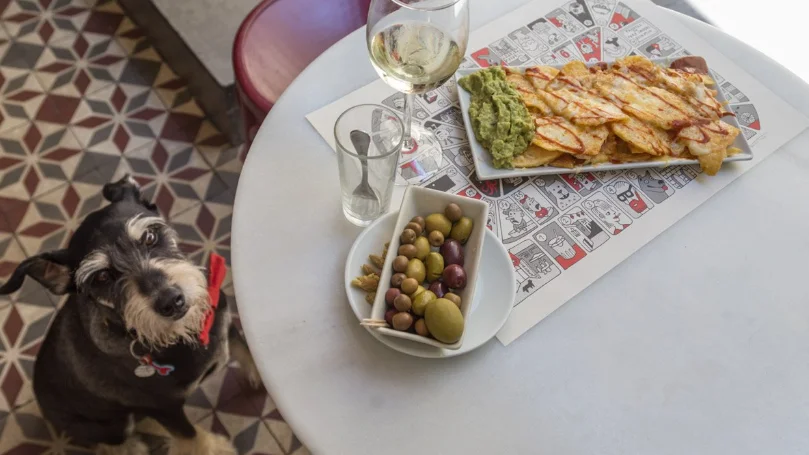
column 216, row 275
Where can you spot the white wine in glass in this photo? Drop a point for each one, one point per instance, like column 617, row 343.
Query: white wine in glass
column 416, row 46
column 415, row 57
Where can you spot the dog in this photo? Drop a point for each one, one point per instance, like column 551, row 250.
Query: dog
column 656, row 189
column 138, row 333
column 528, row 286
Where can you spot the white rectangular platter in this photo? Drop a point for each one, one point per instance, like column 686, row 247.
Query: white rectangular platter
column 486, row 170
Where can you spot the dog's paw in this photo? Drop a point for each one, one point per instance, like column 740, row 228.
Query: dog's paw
column 219, row 445
column 205, row 443
column 132, row 446
column 252, row 376
column 241, row 354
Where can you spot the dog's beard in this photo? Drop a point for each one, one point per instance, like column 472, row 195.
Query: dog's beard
column 156, row 331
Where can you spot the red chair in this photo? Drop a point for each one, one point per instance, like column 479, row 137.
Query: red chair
column 277, row 40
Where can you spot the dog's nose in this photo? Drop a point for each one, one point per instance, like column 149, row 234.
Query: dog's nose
column 170, row 303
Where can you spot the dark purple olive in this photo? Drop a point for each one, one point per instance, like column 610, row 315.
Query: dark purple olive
column 454, row 276
column 390, row 295
column 452, row 252
column 389, row 316
column 439, row 288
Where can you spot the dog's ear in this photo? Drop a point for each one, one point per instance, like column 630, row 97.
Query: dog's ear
column 126, row 188
column 49, row 269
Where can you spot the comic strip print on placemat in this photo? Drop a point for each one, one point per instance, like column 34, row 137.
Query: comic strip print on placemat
column 551, row 223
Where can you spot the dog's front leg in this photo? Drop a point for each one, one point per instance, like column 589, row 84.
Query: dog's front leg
column 190, row 440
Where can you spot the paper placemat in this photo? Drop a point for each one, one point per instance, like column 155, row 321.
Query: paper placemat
column 564, row 232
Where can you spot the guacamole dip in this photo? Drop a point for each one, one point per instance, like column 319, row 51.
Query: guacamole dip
column 499, row 117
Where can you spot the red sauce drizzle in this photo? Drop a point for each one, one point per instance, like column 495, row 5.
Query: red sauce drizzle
column 557, row 123
column 533, row 72
column 652, row 93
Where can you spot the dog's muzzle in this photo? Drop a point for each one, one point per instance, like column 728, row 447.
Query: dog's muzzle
column 170, row 303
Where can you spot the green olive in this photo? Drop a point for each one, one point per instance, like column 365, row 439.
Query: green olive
column 421, row 328
column 444, row 321
column 415, row 227
column 415, row 269
column 408, row 236
column 453, row 212
column 454, row 298
column 462, row 229
column 435, row 266
column 409, row 285
column 409, row 251
column 438, row 222
column 419, row 304
column 417, row 292
column 422, row 248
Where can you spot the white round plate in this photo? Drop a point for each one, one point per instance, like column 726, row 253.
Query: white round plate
column 494, row 297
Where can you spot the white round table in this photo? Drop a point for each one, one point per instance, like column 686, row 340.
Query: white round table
column 697, row 344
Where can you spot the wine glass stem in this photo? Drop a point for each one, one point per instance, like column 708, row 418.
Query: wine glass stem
column 408, row 143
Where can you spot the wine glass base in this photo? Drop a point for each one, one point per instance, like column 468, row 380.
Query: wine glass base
column 422, row 160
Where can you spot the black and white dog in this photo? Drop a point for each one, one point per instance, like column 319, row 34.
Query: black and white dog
column 138, row 333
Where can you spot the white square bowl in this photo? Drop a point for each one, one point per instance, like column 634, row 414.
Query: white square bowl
column 422, row 202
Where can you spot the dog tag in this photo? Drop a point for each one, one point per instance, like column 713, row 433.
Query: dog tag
column 144, row 371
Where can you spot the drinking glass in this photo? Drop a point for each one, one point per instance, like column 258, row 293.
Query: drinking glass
column 416, row 46
column 368, row 139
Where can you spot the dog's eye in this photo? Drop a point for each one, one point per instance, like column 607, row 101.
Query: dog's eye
column 149, row 237
column 102, row 277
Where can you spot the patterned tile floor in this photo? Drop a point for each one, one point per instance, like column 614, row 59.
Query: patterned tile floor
column 84, row 98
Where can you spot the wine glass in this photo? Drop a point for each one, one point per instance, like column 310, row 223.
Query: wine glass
column 416, row 46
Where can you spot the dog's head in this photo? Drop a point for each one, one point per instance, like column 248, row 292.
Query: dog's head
column 124, row 259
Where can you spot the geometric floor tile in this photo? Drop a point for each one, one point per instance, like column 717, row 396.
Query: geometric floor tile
column 24, row 321
column 26, row 432
column 85, row 98
column 21, row 95
column 226, row 390
column 37, row 157
column 38, row 21
column 227, row 161
column 81, row 65
column 119, row 118
column 279, row 427
column 11, row 254
column 106, row 18
column 49, row 220
column 175, row 178
column 249, row 435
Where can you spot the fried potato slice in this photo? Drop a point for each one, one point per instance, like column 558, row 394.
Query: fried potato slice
column 574, row 69
column 558, row 133
column 518, row 80
column 581, row 108
column 648, row 138
column 694, row 93
column 711, row 162
column 541, row 76
column 625, row 153
column 639, row 69
column 566, row 161
column 734, row 151
column 708, row 138
column 649, row 104
column 526, row 91
column 535, row 156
